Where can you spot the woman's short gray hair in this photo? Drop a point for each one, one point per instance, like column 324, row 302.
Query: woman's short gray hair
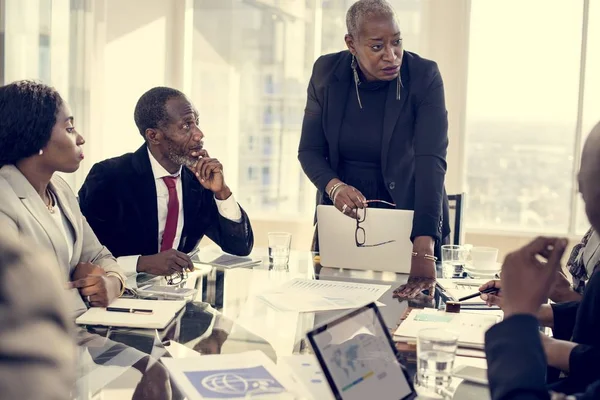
column 365, row 9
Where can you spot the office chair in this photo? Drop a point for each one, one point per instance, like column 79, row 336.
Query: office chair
column 456, row 204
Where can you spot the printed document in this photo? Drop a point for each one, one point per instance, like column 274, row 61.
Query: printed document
column 307, row 295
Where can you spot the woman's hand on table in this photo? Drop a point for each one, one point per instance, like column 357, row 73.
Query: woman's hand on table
column 414, row 288
column 94, row 286
column 422, row 270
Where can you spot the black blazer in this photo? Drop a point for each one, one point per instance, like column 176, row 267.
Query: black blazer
column 517, row 363
column 118, row 198
column 415, row 137
column 578, row 322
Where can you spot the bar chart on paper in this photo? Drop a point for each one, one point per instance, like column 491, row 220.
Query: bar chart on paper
column 306, row 295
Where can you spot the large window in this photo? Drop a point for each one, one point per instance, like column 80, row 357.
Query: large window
column 252, row 60
column 526, row 93
column 42, row 40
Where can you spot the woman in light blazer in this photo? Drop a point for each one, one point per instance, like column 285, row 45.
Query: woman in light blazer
column 38, row 139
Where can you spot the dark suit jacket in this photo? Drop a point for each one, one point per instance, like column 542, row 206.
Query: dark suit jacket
column 118, row 198
column 517, row 363
column 415, row 137
column 579, row 322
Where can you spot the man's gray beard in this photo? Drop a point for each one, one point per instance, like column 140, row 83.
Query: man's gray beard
column 186, row 161
column 179, row 159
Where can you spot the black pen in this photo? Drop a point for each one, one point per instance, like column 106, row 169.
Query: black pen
column 130, row 310
column 485, row 291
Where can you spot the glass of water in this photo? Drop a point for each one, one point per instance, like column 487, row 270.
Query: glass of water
column 454, row 258
column 436, row 351
column 279, row 249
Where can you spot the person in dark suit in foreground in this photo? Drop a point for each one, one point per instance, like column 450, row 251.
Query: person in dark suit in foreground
column 152, row 207
column 516, row 351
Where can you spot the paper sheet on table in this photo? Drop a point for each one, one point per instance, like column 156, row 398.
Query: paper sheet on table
column 306, row 295
column 307, row 372
column 229, row 376
column 471, row 328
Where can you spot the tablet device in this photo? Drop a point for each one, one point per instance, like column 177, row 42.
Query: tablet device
column 359, row 359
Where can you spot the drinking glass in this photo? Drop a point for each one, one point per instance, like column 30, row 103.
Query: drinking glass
column 454, row 258
column 279, row 249
column 436, row 351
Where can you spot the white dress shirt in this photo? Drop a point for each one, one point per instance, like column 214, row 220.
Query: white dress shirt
column 228, row 208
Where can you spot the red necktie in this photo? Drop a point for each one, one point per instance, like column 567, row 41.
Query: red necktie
column 172, row 214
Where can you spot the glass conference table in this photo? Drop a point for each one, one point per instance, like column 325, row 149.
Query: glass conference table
column 225, row 317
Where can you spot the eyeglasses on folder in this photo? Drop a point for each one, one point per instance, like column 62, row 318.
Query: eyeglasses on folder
column 360, row 235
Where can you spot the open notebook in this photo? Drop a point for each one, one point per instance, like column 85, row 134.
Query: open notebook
column 163, row 311
column 471, row 327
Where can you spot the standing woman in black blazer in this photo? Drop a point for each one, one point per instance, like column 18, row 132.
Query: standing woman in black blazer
column 376, row 128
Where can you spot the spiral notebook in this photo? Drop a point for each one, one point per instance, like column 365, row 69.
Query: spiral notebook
column 471, row 327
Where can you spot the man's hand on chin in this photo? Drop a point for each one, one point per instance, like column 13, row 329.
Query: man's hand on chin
column 209, row 172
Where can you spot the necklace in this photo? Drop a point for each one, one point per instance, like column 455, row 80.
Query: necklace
column 50, row 204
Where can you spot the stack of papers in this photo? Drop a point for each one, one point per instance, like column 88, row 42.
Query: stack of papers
column 471, row 327
column 163, row 311
column 229, row 376
column 307, row 295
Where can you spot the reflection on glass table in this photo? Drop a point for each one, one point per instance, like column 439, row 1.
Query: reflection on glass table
column 224, row 316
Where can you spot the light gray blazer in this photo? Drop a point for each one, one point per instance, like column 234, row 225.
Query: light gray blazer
column 23, row 214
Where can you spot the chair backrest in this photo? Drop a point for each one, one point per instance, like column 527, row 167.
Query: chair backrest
column 456, row 203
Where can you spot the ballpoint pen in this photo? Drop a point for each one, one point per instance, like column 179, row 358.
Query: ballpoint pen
column 145, row 311
column 493, row 290
column 193, row 252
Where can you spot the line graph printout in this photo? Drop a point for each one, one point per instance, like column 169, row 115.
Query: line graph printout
column 306, row 295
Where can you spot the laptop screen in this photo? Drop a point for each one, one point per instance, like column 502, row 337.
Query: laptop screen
column 358, row 358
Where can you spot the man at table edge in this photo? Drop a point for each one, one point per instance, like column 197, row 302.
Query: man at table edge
column 152, row 207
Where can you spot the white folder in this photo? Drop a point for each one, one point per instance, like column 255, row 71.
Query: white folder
column 163, row 311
